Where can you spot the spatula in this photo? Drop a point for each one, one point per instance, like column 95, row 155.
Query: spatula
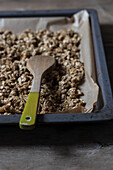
column 37, row 65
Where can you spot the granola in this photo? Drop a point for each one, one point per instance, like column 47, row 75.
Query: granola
column 59, row 89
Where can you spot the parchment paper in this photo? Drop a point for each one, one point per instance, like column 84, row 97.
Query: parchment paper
column 80, row 24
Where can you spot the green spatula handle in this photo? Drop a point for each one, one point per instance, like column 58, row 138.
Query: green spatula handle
column 28, row 118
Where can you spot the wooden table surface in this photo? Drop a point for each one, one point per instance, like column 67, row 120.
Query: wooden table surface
column 62, row 147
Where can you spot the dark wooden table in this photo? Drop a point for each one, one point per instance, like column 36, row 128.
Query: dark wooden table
column 62, row 147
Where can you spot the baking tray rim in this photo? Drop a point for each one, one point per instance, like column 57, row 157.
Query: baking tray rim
column 106, row 113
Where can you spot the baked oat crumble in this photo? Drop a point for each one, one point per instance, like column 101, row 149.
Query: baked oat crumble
column 59, row 89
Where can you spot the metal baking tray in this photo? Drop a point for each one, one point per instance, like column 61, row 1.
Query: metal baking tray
column 105, row 101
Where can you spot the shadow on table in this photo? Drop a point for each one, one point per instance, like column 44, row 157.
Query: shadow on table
column 107, row 35
column 68, row 134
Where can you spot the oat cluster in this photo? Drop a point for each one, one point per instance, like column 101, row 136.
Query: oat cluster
column 59, row 88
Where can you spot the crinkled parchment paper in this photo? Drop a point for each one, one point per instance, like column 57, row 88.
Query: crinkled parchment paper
column 80, row 24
